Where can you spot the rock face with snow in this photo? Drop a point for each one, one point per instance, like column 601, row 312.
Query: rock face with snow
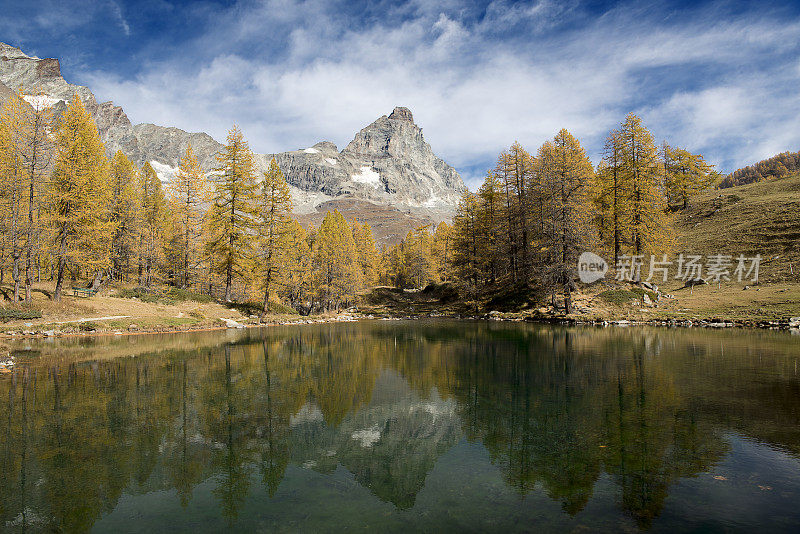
column 388, row 163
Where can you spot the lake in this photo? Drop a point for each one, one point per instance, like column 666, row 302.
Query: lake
column 404, row 426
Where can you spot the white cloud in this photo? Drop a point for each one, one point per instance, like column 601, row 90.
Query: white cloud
column 473, row 92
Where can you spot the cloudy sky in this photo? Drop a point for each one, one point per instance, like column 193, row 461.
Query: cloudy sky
column 720, row 78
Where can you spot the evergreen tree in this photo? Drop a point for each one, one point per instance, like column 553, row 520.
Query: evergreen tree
column 232, row 217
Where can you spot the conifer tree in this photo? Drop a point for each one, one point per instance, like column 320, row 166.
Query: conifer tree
column 275, row 206
column 491, row 217
column 613, row 194
column 443, row 249
column 466, row 237
column 125, row 213
column 650, row 226
column 336, row 269
column 13, row 186
column 367, row 252
column 79, row 198
column 234, row 209
column 419, row 263
column 152, row 224
column 296, row 265
column 685, row 174
column 188, row 190
column 566, row 171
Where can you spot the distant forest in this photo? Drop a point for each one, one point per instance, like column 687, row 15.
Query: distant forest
column 778, row 166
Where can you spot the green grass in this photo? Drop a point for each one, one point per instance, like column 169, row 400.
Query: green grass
column 758, row 218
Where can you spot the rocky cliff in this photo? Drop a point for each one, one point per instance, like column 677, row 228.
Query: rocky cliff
column 387, row 165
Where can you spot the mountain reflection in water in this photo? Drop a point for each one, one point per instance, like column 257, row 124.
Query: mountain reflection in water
column 398, row 426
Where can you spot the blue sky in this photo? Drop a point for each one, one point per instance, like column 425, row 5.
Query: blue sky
column 720, row 78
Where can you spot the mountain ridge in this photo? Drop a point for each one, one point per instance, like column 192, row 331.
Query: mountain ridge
column 388, row 162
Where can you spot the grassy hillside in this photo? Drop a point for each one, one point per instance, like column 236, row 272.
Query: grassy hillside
column 759, row 218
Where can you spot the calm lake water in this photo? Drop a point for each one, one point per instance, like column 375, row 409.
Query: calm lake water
column 404, row 426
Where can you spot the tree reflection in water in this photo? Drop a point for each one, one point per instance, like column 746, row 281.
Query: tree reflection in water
column 555, row 408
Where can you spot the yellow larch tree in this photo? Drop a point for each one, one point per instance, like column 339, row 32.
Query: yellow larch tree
column 187, row 190
column 152, row 224
column 275, row 205
column 12, row 185
column 443, row 249
column 685, row 174
column 79, row 198
column 567, row 173
column 367, row 252
column 296, row 273
column 650, row 225
column 231, row 218
column 337, row 273
column 125, row 213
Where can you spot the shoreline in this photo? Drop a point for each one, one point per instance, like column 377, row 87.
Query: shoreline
column 788, row 324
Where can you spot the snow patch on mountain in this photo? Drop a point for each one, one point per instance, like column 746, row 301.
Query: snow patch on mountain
column 368, row 176
column 331, row 161
column 40, row 102
column 307, row 201
column 165, row 173
column 311, row 151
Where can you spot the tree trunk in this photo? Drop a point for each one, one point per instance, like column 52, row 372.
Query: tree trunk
column 228, row 281
column 62, row 263
column 265, row 308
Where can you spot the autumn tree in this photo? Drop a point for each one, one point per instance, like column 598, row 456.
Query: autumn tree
column 366, row 251
column 567, row 172
column 419, row 263
column 125, row 213
column 337, row 273
column 79, row 197
column 296, row 265
column 187, row 191
column 232, row 216
column 466, row 238
column 152, row 223
column 492, row 216
column 650, row 226
column 685, row 174
column 273, row 224
column 443, row 249
column 25, row 159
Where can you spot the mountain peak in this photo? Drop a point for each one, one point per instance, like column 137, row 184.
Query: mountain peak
column 402, row 114
column 11, row 52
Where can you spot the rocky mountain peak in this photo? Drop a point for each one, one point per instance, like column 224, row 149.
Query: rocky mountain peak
column 9, row 52
column 402, row 114
column 388, row 172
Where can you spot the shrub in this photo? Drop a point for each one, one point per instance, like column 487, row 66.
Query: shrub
column 16, row 314
column 168, row 296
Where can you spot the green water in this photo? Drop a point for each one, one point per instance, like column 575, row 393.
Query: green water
column 404, row 427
